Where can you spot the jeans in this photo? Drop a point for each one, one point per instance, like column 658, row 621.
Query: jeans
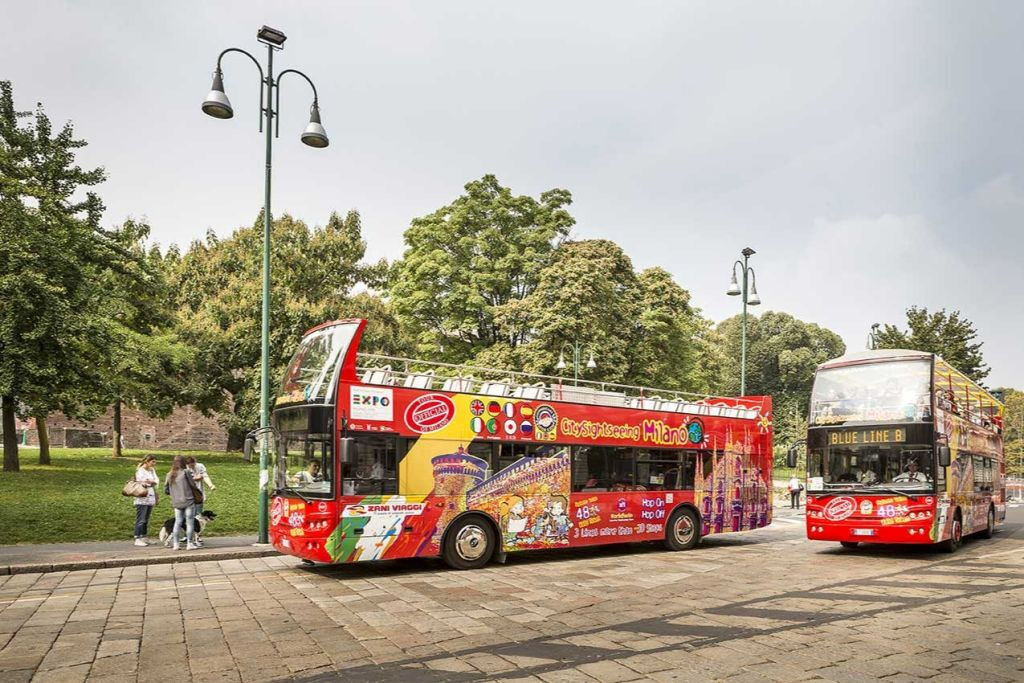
column 198, row 507
column 188, row 515
column 794, row 499
column 142, row 513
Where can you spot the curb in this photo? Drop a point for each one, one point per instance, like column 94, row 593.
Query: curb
column 116, row 562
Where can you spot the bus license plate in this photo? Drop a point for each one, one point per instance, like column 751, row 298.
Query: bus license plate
column 863, row 532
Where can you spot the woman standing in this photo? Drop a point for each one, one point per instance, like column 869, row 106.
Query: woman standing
column 147, row 476
column 178, row 486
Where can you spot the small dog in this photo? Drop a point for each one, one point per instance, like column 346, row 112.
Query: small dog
column 204, row 518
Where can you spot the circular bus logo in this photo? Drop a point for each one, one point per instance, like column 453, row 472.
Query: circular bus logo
column 429, row 413
column 840, row 508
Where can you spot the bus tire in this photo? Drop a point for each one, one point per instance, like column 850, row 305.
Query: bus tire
column 849, row 544
column 469, row 542
column 990, row 527
column 956, row 537
column 683, row 529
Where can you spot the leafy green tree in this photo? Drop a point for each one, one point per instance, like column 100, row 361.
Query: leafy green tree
column 782, row 355
column 53, row 340
column 312, row 275
column 673, row 346
column 948, row 334
column 150, row 366
column 1013, row 430
column 469, row 265
column 588, row 292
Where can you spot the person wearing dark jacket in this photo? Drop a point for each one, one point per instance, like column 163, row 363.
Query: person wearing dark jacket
column 179, row 487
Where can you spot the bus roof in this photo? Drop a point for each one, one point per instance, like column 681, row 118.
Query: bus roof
column 884, row 355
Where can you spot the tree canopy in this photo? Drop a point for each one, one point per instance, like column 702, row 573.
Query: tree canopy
column 467, row 266
column 948, row 334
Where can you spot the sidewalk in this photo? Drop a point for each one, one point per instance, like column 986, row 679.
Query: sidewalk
column 56, row 557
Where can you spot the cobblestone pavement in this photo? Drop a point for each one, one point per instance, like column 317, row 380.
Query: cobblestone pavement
column 758, row 606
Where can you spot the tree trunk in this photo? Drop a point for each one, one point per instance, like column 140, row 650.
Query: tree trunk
column 10, row 436
column 117, row 429
column 44, row 440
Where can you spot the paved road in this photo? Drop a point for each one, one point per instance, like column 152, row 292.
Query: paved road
column 765, row 605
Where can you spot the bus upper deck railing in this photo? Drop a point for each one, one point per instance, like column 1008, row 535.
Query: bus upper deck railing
column 460, row 378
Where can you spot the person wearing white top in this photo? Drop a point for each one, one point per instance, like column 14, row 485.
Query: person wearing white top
column 147, row 476
column 794, row 492
column 912, row 474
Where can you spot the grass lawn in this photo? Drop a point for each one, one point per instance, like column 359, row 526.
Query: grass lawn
column 78, row 496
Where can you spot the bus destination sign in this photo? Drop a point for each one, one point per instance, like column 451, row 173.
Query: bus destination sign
column 850, row 437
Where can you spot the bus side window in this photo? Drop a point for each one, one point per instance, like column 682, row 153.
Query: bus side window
column 659, row 470
column 374, row 469
column 589, row 469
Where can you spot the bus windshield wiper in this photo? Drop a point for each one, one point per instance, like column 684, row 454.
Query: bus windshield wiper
column 288, row 489
column 897, row 492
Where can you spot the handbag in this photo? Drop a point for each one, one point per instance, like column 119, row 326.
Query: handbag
column 197, row 494
column 134, row 489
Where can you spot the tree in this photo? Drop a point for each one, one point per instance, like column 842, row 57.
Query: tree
column 219, row 293
column 948, row 334
column 468, row 265
column 673, row 347
column 52, row 337
column 588, row 292
column 1013, row 430
column 782, row 355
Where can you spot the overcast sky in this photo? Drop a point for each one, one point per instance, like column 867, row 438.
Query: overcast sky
column 871, row 152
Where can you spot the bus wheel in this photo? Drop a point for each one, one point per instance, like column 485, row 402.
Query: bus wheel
column 956, row 536
column 990, row 528
column 683, row 530
column 849, row 544
column 469, row 543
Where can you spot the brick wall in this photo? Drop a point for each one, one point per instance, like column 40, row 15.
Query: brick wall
column 185, row 429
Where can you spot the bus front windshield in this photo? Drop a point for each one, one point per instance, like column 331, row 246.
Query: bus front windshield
column 312, row 371
column 898, row 466
column 890, row 391
column 304, row 465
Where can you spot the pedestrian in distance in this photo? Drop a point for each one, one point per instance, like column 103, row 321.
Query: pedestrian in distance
column 180, row 487
column 794, row 492
column 146, row 475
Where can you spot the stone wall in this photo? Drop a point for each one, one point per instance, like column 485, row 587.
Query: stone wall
column 185, row 429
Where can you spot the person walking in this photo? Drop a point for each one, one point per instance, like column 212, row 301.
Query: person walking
column 200, row 476
column 145, row 474
column 178, row 486
column 794, row 492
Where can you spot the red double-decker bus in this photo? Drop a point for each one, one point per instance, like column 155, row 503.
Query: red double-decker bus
column 383, row 458
column 902, row 448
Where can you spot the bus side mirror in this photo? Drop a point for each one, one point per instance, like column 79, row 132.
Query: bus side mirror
column 250, row 442
column 791, row 458
column 944, row 459
column 347, row 450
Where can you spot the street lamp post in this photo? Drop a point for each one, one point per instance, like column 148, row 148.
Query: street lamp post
column 749, row 299
column 218, row 106
column 576, row 349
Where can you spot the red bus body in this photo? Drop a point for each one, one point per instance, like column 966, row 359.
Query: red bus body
column 425, row 456
column 859, row 438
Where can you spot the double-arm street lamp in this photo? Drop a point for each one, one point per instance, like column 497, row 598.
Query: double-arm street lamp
column 749, row 299
column 576, row 349
column 218, row 106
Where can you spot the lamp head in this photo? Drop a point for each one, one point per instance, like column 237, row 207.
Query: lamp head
column 590, row 363
column 561, row 361
column 217, row 103
column 315, row 135
column 734, row 286
column 271, row 36
column 753, row 299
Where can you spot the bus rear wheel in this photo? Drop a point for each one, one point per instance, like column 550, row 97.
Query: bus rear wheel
column 990, row 528
column 849, row 544
column 956, row 534
column 469, row 543
column 683, row 530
